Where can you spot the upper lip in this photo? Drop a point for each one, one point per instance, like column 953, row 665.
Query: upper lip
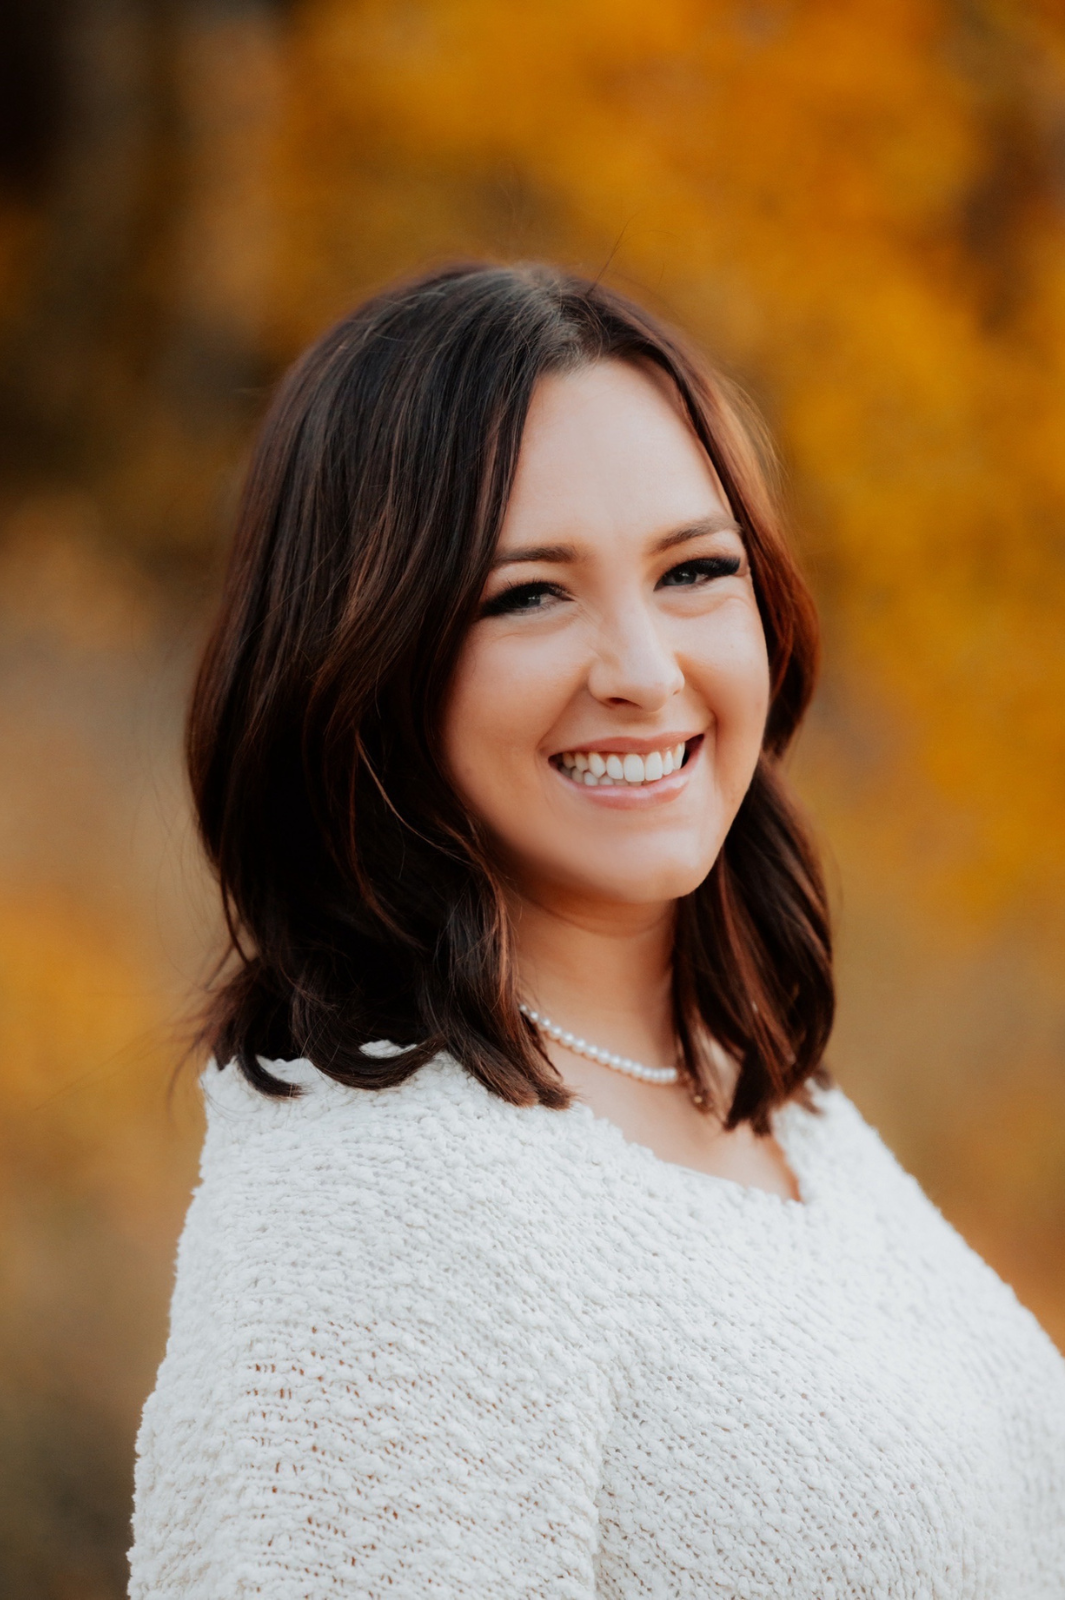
column 623, row 744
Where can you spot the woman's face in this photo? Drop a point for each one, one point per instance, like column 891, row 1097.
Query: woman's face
column 608, row 704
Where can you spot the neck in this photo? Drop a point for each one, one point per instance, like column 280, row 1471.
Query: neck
column 602, row 971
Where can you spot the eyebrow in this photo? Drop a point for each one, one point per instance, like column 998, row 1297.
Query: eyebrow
column 563, row 553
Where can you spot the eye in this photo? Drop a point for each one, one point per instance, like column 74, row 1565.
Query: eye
column 519, row 597
column 701, row 570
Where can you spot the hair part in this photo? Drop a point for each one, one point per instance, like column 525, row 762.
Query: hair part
column 361, row 898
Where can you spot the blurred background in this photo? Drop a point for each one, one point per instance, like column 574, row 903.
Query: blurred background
column 858, row 209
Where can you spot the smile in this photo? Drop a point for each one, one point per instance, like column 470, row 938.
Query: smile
column 605, row 769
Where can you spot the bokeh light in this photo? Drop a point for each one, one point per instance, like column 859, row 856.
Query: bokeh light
column 859, row 210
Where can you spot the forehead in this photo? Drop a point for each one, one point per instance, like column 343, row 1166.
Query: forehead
column 607, row 450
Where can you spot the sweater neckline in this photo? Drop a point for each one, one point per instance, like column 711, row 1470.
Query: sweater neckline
column 747, row 1194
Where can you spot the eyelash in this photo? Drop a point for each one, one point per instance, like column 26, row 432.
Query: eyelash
column 507, row 602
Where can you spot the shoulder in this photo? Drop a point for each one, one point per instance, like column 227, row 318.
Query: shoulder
column 436, row 1169
column 883, row 1212
column 428, row 1213
column 832, row 1139
column 438, row 1127
column 849, row 1173
column 379, row 1297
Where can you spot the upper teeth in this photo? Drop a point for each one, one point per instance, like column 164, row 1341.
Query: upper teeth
column 588, row 766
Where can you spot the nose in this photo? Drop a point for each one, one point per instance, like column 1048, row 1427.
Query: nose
column 634, row 663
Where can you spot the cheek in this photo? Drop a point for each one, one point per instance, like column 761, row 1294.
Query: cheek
column 505, row 695
column 733, row 675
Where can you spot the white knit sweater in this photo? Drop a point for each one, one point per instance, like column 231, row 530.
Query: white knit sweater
column 425, row 1343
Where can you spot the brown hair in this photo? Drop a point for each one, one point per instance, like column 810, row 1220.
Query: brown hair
column 361, row 899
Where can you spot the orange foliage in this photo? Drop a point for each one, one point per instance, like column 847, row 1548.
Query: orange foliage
column 86, row 1111
column 850, row 205
column 859, row 209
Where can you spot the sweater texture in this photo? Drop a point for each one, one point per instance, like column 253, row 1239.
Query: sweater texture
column 426, row 1343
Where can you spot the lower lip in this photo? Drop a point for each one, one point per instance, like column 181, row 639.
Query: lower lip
column 628, row 797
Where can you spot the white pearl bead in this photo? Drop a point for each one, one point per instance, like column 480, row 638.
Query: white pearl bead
column 607, row 1058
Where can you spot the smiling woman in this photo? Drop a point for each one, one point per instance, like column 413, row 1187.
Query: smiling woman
column 604, row 722
column 534, row 1256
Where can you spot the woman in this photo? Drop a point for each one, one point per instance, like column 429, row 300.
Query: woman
column 533, row 1254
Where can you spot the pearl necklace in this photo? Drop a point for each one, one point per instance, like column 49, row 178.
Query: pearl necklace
column 606, row 1058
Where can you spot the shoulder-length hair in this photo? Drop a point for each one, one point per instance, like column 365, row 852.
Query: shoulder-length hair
column 361, row 898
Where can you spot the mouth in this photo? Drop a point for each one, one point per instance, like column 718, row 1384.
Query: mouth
column 606, row 768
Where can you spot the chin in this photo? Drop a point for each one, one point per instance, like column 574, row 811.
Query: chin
column 651, row 884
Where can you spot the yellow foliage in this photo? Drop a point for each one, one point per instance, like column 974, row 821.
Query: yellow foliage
column 87, row 1056
column 837, row 199
column 858, row 209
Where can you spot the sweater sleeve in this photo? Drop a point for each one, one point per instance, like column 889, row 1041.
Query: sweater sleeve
column 377, row 1382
